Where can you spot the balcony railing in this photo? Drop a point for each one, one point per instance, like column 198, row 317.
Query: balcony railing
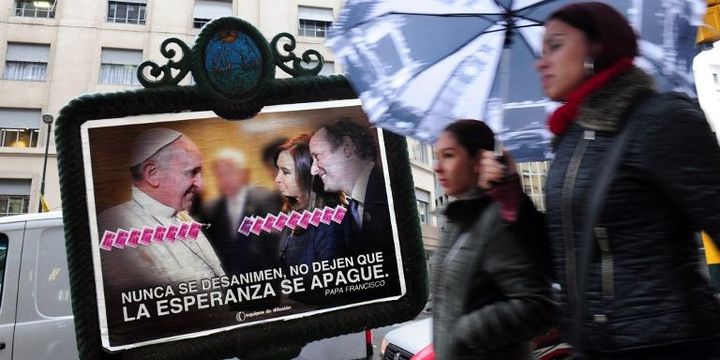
column 200, row 22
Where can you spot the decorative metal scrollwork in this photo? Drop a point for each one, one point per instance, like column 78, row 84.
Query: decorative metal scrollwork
column 163, row 74
column 297, row 69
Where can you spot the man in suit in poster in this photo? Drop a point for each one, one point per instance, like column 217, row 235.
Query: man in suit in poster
column 344, row 156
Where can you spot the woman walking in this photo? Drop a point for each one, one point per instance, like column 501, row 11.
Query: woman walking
column 490, row 293
column 626, row 256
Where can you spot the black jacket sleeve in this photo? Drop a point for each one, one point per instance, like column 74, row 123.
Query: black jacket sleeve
column 684, row 157
column 524, row 310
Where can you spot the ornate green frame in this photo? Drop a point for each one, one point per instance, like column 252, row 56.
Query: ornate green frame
column 162, row 94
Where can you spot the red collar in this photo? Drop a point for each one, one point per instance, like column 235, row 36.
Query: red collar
column 565, row 115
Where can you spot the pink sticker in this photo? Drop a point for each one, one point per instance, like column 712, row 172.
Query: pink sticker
column 121, row 239
column 246, row 225
column 171, row 233
column 305, row 219
column 257, row 225
column 316, row 217
column 159, row 234
column 194, row 231
column 327, row 214
column 339, row 214
column 183, row 231
column 133, row 238
column 293, row 219
column 280, row 222
column 146, row 236
column 107, row 240
column 269, row 221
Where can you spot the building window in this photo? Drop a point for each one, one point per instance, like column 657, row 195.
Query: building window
column 441, row 200
column 34, row 8
column 314, row 22
column 200, row 22
column 206, row 10
column 422, row 198
column 419, row 151
column 14, row 196
column 532, row 176
column 19, row 127
column 27, row 62
column 119, row 66
column 18, row 137
column 126, row 12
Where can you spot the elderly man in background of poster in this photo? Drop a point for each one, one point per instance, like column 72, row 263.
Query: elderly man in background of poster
column 166, row 171
column 240, row 253
column 344, row 155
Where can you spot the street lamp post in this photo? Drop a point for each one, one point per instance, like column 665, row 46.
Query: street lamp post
column 47, row 119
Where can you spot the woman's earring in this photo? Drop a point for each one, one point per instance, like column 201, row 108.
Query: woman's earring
column 589, row 66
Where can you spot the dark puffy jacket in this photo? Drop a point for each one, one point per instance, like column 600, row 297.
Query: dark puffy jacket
column 644, row 286
column 489, row 295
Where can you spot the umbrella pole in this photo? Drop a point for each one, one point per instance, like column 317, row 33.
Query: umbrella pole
column 504, row 75
column 504, row 90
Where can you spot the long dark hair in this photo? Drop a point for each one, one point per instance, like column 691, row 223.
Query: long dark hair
column 472, row 135
column 602, row 25
column 310, row 186
column 299, row 150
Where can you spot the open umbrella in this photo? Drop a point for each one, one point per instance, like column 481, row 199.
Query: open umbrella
column 418, row 65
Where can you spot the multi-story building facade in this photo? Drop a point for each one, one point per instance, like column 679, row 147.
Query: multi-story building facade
column 421, row 161
column 54, row 50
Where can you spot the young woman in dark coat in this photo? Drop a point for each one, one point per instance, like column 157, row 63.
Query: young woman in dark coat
column 644, row 295
column 490, row 293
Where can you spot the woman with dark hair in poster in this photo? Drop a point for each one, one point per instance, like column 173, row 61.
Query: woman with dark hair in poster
column 303, row 191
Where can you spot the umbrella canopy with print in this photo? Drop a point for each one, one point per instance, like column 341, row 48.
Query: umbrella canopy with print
column 418, row 65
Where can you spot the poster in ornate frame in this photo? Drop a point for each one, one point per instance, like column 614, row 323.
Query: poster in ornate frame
column 150, row 276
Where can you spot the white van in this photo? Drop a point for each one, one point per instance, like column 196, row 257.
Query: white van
column 36, row 320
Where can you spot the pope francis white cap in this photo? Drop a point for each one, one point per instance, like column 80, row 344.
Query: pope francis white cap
column 150, row 142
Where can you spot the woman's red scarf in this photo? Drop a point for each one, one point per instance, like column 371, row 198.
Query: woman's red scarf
column 565, row 115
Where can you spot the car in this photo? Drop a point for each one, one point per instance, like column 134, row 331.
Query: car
column 407, row 340
column 36, row 320
column 413, row 341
